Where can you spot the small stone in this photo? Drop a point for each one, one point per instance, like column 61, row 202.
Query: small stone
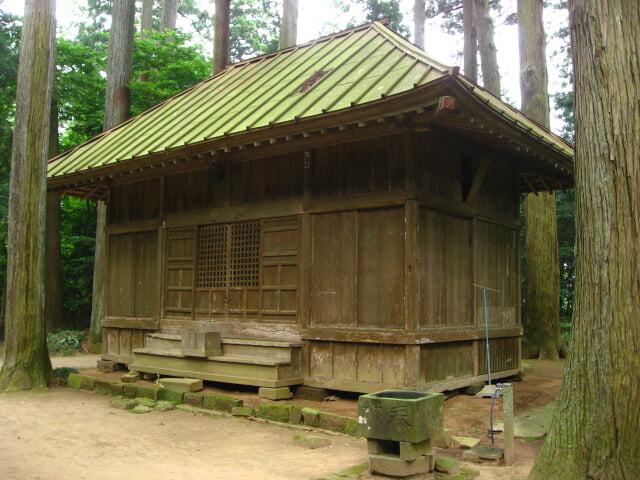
column 163, row 406
column 123, row 403
column 447, row 465
column 141, row 409
column 330, row 421
column 310, row 441
column 465, row 442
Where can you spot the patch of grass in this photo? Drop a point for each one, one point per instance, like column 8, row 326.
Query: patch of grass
column 351, row 473
column 64, row 343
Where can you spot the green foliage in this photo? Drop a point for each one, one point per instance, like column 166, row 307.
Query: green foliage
column 566, row 241
column 254, row 28
column 65, row 342
column 77, row 244
column 375, row 10
column 168, row 66
column 61, row 374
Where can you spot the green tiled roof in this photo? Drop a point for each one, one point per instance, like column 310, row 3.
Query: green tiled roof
column 319, row 79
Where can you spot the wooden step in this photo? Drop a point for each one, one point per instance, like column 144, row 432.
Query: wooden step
column 243, row 370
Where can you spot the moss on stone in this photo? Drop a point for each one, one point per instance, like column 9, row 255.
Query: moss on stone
column 333, row 422
column 74, row 380
column 169, row 395
column 193, row 399
column 143, row 391
column 311, row 417
column 101, row 386
column 276, row 412
column 129, row 390
column 87, row 383
column 221, row 403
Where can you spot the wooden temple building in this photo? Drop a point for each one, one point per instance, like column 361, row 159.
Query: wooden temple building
column 323, row 215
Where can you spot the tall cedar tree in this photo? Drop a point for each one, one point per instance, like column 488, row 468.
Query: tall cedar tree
column 26, row 359
column 594, row 432
column 419, row 17
column 542, row 310
column 470, row 40
column 289, row 26
column 116, row 110
column 221, row 35
column 487, row 47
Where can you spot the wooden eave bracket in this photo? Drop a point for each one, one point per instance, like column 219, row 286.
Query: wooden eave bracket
column 478, row 179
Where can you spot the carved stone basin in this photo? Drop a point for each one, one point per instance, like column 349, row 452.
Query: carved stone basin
column 401, row 416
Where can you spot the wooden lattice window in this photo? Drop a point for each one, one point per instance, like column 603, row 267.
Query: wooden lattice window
column 229, row 255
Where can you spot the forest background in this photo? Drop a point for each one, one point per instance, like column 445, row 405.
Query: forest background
column 167, row 62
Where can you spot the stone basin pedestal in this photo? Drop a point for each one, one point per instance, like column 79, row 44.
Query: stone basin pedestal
column 399, row 426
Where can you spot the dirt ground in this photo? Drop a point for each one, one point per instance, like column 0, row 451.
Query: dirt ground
column 64, row 433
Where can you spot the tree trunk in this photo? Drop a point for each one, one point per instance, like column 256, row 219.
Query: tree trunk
column 221, row 35
column 541, row 320
column 26, row 359
column 289, row 26
column 470, row 40
column 419, row 17
column 169, row 15
column 146, row 18
column 116, row 110
column 487, row 48
column 594, row 432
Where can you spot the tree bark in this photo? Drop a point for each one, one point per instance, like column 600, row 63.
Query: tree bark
column 289, row 26
column 221, row 35
column 487, row 48
column 594, row 432
column 146, row 18
column 116, row 110
column 541, row 320
column 53, row 258
column 419, row 17
column 26, row 359
column 169, row 15
column 470, row 40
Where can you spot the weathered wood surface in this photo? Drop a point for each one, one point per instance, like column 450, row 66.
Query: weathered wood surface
column 367, row 250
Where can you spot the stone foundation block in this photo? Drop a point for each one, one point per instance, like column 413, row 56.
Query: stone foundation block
column 182, row 384
column 310, row 441
column 482, row 454
column 395, row 467
column 278, row 393
column 131, row 377
column 106, row 366
column 311, row 393
column 193, row 399
column 276, row 412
